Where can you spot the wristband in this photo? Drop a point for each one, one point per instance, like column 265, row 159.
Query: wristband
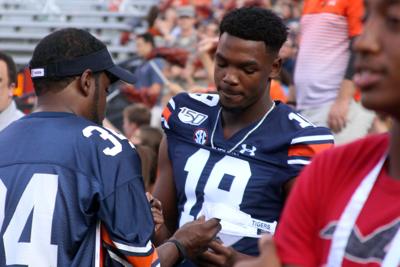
column 181, row 249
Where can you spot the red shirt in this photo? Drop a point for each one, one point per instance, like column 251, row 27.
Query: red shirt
column 322, row 192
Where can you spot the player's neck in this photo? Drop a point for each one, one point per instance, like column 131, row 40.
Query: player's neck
column 232, row 121
column 394, row 151
column 45, row 106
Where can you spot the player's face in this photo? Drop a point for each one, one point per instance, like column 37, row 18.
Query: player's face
column 378, row 57
column 242, row 72
column 5, row 89
column 102, row 82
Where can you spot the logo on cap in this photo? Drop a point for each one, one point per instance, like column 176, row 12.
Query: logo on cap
column 37, row 72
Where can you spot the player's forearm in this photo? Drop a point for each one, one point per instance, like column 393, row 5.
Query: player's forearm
column 161, row 235
column 168, row 254
column 241, row 257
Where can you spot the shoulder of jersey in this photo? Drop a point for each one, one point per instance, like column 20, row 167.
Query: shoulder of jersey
column 91, row 139
column 188, row 111
column 110, row 142
column 297, row 130
column 292, row 121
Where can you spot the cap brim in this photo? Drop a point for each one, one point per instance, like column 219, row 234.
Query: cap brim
column 121, row 74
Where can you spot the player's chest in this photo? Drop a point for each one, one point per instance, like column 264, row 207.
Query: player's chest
column 216, row 172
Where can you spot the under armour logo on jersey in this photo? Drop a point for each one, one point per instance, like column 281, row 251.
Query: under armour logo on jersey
column 200, row 136
column 189, row 116
column 248, row 150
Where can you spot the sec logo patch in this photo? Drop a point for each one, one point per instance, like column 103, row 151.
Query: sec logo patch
column 200, row 136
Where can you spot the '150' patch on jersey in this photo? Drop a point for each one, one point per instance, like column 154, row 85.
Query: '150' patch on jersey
column 192, row 117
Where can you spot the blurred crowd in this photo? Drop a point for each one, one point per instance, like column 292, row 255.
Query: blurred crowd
column 182, row 37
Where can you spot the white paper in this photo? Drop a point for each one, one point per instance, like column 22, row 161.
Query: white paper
column 235, row 223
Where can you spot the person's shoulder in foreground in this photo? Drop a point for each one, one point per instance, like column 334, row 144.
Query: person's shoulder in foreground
column 315, row 203
column 330, row 181
column 341, row 211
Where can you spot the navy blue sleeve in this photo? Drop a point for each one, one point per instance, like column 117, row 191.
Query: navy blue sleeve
column 124, row 212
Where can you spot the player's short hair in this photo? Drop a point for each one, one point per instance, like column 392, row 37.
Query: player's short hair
column 256, row 24
column 11, row 68
column 62, row 45
column 138, row 113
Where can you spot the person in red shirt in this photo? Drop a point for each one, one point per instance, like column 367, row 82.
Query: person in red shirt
column 341, row 212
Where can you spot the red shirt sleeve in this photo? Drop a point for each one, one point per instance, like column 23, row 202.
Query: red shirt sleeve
column 297, row 231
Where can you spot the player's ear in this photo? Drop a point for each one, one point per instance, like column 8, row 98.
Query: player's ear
column 276, row 68
column 86, row 81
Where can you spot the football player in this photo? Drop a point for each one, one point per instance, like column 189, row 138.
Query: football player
column 71, row 191
column 236, row 149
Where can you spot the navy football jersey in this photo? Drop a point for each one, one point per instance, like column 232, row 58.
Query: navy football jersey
column 71, row 195
column 248, row 170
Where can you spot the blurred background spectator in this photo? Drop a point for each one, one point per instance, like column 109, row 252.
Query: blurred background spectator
column 8, row 82
column 169, row 44
column 135, row 116
column 147, row 140
column 324, row 73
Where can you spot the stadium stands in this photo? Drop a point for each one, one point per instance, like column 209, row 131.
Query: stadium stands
column 24, row 22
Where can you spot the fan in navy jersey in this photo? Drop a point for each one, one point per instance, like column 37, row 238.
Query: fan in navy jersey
column 71, row 191
column 237, row 147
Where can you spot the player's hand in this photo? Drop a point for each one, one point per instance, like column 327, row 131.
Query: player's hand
column 206, row 45
column 337, row 117
column 195, row 236
column 219, row 255
column 268, row 255
column 156, row 210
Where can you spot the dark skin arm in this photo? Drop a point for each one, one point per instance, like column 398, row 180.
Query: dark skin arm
column 194, row 237
column 287, row 187
column 268, row 256
column 220, row 255
column 156, row 210
column 164, row 190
